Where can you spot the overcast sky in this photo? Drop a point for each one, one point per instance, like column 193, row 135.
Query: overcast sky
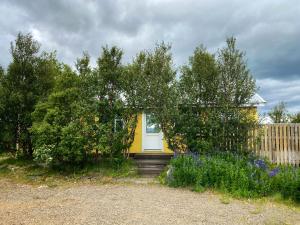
column 268, row 31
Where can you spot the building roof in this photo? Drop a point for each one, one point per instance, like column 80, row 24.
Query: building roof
column 257, row 100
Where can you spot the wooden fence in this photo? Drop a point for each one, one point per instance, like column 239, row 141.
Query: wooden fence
column 280, row 143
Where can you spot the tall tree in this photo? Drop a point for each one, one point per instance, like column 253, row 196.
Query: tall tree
column 214, row 92
column 156, row 87
column 4, row 135
column 199, row 87
column 199, row 81
column 57, row 131
column 296, row 118
column 237, row 84
column 112, row 97
column 29, row 77
column 279, row 113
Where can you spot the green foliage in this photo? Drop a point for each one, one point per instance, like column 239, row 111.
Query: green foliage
column 279, row 113
column 68, row 116
column 210, row 94
column 56, row 129
column 155, row 87
column 28, row 171
column 296, row 118
column 114, row 101
column 237, row 85
column 240, row 175
column 78, row 119
column 29, row 78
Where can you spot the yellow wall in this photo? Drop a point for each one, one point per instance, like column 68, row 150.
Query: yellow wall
column 136, row 146
column 252, row 113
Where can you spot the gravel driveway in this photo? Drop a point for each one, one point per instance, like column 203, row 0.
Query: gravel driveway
column 130, row 204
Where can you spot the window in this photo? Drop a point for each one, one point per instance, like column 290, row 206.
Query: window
column 119, row 124
column 151, row 126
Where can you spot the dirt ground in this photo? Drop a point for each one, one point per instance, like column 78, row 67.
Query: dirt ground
column 138, row 203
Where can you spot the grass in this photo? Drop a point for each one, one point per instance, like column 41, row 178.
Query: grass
column 225, row 199
column 29, row 172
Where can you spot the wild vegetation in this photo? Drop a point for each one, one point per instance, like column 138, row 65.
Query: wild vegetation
column 240, row 175
column 279, row 114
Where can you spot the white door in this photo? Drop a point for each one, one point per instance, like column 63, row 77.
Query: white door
column 152, row 135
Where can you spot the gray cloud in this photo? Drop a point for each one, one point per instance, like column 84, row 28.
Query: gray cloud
column 267, row 30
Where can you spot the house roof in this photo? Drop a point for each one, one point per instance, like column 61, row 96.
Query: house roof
column 256, row 100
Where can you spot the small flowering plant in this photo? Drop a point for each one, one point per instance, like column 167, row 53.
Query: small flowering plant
column 259, row 163
column 196, row 158
column 274, row 172
column 240, row 174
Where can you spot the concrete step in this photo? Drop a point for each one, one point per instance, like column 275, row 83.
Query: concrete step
column 152, row 161
column 153, row 156
column 148, row 171
column 151, row 164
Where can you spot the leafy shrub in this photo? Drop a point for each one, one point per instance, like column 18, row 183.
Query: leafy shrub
column 240, row 175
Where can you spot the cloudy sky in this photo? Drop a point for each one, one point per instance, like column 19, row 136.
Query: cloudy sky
column 267, row 30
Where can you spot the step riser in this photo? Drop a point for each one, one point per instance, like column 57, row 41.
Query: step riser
column 158, row 161
column 151, row 164
column 151, row 168
column 158, row 157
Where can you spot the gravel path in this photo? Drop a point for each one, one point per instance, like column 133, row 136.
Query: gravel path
column 130, row 204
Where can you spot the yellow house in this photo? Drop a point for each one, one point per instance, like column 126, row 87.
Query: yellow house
column 150, row 139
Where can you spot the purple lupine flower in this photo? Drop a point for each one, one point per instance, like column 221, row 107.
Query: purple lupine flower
column 259, row 163
column 175, row 155
column 196, row 157
column 273, row 172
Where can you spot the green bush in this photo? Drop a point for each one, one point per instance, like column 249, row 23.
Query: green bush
column 240, row 175
column 43, row 154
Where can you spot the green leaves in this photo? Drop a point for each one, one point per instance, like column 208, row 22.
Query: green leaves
column 296, row 118
column 56, row 121
column 81, row 110
column 213, row 90
column 279, row 113
column 237, row 85
column 76, row 111
column 199, row 81
column 235, row 174
column 29, row 78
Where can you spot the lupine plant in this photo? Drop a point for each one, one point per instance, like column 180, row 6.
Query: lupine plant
column 240, row 175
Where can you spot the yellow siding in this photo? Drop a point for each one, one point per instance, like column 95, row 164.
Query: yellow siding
column 136, row 146
column 166, row 147
column 252, row 113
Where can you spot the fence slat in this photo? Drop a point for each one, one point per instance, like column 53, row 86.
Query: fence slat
column 286, row 158
column 292, row 143
column 297, row 145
